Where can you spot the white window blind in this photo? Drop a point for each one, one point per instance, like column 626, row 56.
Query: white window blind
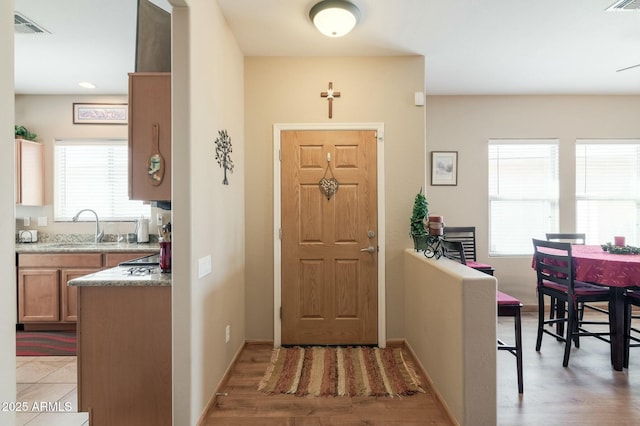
column 608, row 189
column 93, row 174
column 523, row 194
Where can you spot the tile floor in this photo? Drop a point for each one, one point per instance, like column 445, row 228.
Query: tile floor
column 47, row 385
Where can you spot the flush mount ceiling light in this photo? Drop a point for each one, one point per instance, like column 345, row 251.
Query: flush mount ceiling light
column 334, row 18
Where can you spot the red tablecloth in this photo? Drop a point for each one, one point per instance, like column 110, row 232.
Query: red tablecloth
column 592, row 264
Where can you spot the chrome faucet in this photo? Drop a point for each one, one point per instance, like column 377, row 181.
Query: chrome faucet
column 99, row 233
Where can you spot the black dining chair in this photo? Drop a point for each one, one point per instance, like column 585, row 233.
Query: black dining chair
column 632, row 334
column 556, row 278
column 507, row 306
column 467, row 236
column 573, row 238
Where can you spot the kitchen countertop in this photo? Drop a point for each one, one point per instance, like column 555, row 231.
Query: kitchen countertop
column 122, row 276
column 84, row 247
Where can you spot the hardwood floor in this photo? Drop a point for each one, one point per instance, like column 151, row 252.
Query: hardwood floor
column 587, row 392
column 244, row 405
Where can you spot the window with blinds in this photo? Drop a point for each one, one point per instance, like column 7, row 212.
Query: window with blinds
column 523, row 194
column 608, row 189
column 93, row 174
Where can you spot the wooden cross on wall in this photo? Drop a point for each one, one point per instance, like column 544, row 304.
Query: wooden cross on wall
column 330, row 95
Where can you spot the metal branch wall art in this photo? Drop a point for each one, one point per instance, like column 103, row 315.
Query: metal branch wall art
column 223, row 153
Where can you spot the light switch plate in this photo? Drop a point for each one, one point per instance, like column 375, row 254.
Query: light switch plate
column 204, row 266
column 26, row 221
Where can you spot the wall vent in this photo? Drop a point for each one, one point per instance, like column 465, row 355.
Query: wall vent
column 24, row 25
column 625, row 5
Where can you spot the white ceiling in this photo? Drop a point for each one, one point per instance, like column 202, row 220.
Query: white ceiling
column 470, row 46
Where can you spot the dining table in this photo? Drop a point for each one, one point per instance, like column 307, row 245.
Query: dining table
column 618, row 272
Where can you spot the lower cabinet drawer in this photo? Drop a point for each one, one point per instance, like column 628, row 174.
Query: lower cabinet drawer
column 60, row 260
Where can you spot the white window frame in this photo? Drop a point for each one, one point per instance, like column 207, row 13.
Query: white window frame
column 111, row 205
column 530, row 195
column 615, row 190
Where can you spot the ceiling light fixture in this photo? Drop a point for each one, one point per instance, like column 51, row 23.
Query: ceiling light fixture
column 334, row 18
column 87, row 85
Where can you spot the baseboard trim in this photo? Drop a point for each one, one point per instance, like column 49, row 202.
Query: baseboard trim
column 213, row 400
column 534, row 308
column 423, row 372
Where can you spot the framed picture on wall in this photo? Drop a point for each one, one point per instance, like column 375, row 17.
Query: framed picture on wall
column 444, row 168
column 100, row 113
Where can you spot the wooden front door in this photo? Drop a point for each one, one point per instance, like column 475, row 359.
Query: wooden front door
column 329, row 242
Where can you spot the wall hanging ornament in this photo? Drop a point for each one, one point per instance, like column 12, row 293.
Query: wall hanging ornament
column 328, row 185
column 155, row 165
column 223, row 153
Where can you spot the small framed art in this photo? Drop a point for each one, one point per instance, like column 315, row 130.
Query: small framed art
column 100, row 113
column 444, row 168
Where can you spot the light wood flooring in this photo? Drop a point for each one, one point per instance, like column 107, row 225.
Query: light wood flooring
column 588, row 392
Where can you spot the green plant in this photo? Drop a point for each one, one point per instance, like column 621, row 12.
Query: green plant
column 420, row 211
column 22, row 132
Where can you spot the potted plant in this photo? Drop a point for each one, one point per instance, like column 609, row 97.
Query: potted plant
column 417, row 229
column 23, row 133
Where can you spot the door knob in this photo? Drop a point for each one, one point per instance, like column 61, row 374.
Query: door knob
column 370, row 249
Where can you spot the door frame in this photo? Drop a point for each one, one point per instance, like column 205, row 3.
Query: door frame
column 277, row 225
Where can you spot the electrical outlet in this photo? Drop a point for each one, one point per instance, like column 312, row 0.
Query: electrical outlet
column 227, row 334
column 159, row 219
column 26, row 221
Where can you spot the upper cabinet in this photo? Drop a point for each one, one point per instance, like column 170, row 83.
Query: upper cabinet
column 150, row 136
column 29, row 173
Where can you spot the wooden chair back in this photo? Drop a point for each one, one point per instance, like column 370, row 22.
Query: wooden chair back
column 573, row 238
column 554, row 264
column 454, row 250
column 466, row 235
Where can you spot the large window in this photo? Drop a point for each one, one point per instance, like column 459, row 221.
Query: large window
column 608, row 189
column 523, row 194
column 93, row 174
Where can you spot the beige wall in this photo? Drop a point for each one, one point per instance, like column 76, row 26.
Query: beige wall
column 7, row 256
column 208, row 96
column 287, row 90
column 466, row 123
column 50, row 117
column 451, row 327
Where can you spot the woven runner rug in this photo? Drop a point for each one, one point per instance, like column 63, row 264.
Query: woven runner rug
column 37, row 343
column 340, row 371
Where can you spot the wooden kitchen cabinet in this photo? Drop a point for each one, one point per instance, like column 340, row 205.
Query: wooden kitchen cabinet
column 69, row 295
column 44, row 299
column 124, row 355
column 38, row 295
column 149, row 104
column 29, row 173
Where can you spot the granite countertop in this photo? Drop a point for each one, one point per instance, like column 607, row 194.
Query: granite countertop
column 122, row 276
column 84, row 246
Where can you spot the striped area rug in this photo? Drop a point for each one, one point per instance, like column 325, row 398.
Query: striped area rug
column 340, row 371
column 39, row 343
